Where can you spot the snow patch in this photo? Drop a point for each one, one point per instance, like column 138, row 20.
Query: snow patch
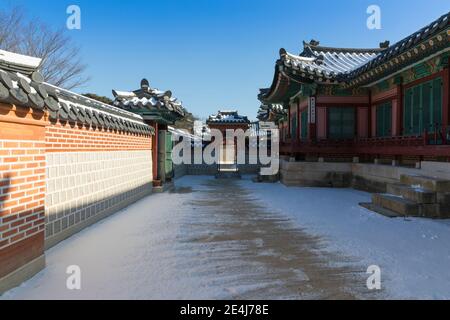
column 413, row 254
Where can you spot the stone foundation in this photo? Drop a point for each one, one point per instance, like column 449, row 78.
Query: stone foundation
column 361, row 176
column 315, row 174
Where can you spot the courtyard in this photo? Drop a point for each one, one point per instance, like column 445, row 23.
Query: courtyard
column 236, row 239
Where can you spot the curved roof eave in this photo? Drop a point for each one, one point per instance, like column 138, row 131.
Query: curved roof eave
column 282, row 89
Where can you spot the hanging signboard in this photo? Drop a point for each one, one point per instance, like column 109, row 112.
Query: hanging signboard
column 312, row 110
column 267, row 125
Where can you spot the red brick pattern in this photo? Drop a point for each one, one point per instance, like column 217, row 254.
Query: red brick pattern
column 67, row 138
column 22, row 190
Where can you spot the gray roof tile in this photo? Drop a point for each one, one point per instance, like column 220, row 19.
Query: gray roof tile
column 21, row 84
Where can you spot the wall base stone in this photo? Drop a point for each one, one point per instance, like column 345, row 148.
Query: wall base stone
column 134, row 196
column 211, row 170
column 22, row 274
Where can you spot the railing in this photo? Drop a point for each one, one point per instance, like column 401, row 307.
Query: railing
column 438, row 135
column 430, row 143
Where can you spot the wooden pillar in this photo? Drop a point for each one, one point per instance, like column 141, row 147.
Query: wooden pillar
column 446, row 98
column 289, row 122
column 312, row 131
column 369, row 116
column 155, row 150
column 400, row 106
column 298, row 121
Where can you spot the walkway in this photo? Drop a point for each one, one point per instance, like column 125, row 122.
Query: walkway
column 208, row 239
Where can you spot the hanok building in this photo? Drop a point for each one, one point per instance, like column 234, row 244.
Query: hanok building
column 390, row 102
column 159, row 109
column 228, row 120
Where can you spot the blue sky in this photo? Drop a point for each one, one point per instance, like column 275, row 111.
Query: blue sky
column 216, row 54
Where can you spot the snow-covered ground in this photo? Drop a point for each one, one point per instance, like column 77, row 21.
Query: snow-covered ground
column 210, row 240
column 413, row 254
column 120, row 258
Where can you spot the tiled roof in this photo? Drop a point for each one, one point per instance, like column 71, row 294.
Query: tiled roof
column 424, row 34
column 18, row 63
column 324, row 63
column 148, row 98
column 352, row 67
column 227, row 117
column 267, row 111
column 27, row 89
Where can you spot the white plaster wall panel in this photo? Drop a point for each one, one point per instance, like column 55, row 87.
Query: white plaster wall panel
column 82, row 184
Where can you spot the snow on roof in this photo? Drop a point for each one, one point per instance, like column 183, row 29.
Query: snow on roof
column 430, row 30
column 326, row 62
column 316, row 62
column 147, row 97
column 81, row 100
column 227, row 116
column 124, row 94
column 18, row 62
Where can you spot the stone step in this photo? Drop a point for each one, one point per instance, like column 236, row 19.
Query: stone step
column 397, row 204
column 417, row 195
column 228, row 175
column 443, row 198
column 427, row 183
column 228, row 167
column 268, row 178
column 383, row 211
column 435, row 211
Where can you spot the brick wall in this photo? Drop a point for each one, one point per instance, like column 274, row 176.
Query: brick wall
column 22, row 187
column 57, row 178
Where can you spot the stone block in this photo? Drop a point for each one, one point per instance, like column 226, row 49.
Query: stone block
column 443, row 198
column 428, row 183
column 397, row 204
column 413, row 194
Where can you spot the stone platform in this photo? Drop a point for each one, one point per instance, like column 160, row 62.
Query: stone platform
column 414, row 196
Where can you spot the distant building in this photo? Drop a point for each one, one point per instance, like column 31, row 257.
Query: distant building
column 228, row 120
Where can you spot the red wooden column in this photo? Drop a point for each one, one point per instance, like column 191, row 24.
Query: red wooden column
column 299, row 121
column 446, row 98
column 289, row 122
column 369, row 116
column 399, row 123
